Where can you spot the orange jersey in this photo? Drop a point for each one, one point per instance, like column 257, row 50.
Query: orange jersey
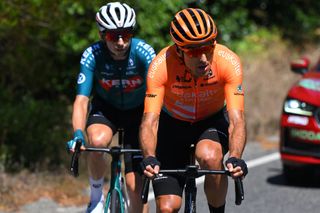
column 171, row 87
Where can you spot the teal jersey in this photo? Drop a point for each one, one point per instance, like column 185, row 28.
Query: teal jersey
column 119, row 83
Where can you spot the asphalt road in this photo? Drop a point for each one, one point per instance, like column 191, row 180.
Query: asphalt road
column 265, row 189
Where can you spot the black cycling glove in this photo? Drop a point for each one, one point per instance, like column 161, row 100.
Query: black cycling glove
column 238, row 162
column 152, row 161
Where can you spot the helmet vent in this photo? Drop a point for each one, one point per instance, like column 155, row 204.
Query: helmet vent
column 185, row 20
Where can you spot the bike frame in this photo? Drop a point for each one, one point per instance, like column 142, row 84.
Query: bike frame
column 116, row 175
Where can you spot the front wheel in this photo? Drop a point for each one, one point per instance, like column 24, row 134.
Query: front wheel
column 190, row 196
column 115, row 202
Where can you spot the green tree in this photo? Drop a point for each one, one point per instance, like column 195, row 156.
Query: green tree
column 41, row 43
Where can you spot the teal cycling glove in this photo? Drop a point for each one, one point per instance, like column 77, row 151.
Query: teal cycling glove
column 78, row 134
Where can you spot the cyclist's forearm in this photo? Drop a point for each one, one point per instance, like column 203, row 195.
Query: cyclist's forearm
column 237, row 135
column 148, row 134
column 79, row 114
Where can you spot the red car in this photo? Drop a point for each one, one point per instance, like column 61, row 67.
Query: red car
column 300, row 123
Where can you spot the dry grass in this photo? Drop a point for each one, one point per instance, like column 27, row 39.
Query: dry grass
column 267, row 79
column 25, row 187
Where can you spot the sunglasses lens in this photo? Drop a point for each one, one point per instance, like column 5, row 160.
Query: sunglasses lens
column 195, row 52
column 116, row 35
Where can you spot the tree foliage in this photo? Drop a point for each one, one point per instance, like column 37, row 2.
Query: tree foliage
column 41, row 43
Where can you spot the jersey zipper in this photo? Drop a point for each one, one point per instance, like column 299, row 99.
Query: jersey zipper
column 121, row 87
column 195, row 80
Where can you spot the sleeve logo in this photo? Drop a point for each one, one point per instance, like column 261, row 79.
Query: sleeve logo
column 151, row 95
column 81, row 78
column 239, row 90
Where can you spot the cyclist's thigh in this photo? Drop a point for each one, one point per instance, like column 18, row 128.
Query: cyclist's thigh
column 215, row 129
column 100, row 123
column 168, row 185
column 174, row 139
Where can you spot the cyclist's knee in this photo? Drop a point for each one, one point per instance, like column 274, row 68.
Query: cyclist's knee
column 168, row 204
column 210, row 158
column 100, row 136
column 167, row 209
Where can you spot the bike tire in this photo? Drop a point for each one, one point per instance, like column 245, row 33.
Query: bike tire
column 115, row 202
column 125, row 200
column 190, row 197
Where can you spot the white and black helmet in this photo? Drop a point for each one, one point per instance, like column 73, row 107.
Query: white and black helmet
column 115, row 15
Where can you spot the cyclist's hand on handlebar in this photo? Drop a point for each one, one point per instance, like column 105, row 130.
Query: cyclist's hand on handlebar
column 77, row 135
column 237, row 167
column 150, row 166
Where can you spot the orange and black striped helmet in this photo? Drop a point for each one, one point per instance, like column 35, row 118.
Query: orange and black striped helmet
column 192, row 26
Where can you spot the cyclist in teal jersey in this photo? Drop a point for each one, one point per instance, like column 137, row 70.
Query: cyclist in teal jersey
column 112, row 71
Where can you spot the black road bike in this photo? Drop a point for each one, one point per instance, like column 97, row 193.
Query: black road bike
column 191, row 172
column 116, row 201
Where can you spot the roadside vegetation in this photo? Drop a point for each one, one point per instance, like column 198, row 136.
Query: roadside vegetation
column 41, row 43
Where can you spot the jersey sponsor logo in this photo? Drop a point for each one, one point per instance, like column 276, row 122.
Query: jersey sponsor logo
column 127, row 84
column 232, row 59
column 151, row 95
column 305, row 135
column 108, row 73
column 85, row 59
column 81, row 78
column 209, row 76
column 208, row 84
column 179, row 86
column 131, row 72
column 156, row 63
column 131, row 63
column 190, row 97
column 183, row 79
column 145, row 49
column 239, row 90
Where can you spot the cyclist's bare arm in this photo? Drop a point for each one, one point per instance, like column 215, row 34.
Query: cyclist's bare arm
column 237, row 135
column 79, row 114
column 148, row 133
column 148, row 138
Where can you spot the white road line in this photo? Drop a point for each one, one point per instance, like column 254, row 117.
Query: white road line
column 263, row 160
column 251, row 164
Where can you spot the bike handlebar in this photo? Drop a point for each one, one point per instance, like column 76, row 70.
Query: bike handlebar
column 113, row 151
column 193, row 171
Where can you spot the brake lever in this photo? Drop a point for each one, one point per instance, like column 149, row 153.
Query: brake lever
column 74, row 168
column 145, row 190
column 239, row 192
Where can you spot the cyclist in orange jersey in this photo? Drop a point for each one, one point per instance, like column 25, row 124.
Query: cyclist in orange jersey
column 194, row 95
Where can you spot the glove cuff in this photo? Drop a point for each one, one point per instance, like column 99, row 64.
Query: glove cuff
column 238, row 162
column 150, row 160
column 78, row 134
